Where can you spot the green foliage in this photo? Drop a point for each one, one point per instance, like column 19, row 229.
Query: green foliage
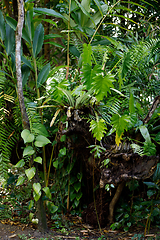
column 120, row 123
column 102, row 85
column 98, row 128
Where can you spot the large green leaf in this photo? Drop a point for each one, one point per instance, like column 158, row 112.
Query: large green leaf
column 145, row 133
column 30, row 172
column 2, row 26
column 28, row 151
column 120, row 123
column 102, row 84
column 11, row 22
column 27, row 136
column 85, row 9
column 9, row 39
column 41, row 141
column 87, row 54
column 38, row 39
column 43, row 75
column 49, row 12
column 36, row 187
column 29, row 27
column 40, row 129
column 98, row 128
column 88, row 73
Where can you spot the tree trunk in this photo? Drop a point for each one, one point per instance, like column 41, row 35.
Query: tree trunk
column 42, row 223
column 25, row 120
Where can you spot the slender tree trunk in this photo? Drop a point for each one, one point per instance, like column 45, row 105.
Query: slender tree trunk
column 42, row 223
column 25, row 120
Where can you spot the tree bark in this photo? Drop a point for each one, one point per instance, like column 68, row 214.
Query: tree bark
column 25, row 120
column 114, row 201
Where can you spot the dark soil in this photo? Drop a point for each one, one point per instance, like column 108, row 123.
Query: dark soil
column 24, row 232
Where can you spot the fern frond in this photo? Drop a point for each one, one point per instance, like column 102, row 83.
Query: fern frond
column 137, row 149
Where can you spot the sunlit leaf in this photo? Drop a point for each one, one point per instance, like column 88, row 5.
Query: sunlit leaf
column 38, row 159
column 27, row 136
column 30, row 172
column 37, row 196
column 28, row 151
column 145, row 133
column 88, row 73
column 36, row 187
column 87, row 54
column 41, row 141
column 98, row 128
column 102, row 84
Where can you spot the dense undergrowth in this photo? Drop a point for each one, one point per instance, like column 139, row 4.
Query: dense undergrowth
column 103, row 100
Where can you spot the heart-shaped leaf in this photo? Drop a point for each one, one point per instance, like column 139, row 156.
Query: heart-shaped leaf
column 77, row 186
column 47, row 192
column 79, row 195
column 27, row 136
column 36, row 196
column 28, row 151
column 20, row 181
column 41, row 141
column 38, row 159
column 20, row 164
column 36, row 187
column 30, row 172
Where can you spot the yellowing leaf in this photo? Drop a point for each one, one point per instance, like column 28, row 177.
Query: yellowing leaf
column 118, row 139
column 54, row 118
column 120, row 123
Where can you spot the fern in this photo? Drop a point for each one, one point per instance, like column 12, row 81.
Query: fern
column 139, row 65
column 137, row 149
column 8, row 139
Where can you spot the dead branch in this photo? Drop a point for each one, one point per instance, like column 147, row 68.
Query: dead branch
column 152, row 109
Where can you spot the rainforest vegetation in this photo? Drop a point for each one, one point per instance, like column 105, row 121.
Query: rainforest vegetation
column 80, row 112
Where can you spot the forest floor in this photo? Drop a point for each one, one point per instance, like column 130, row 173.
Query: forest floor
column 9, row 231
